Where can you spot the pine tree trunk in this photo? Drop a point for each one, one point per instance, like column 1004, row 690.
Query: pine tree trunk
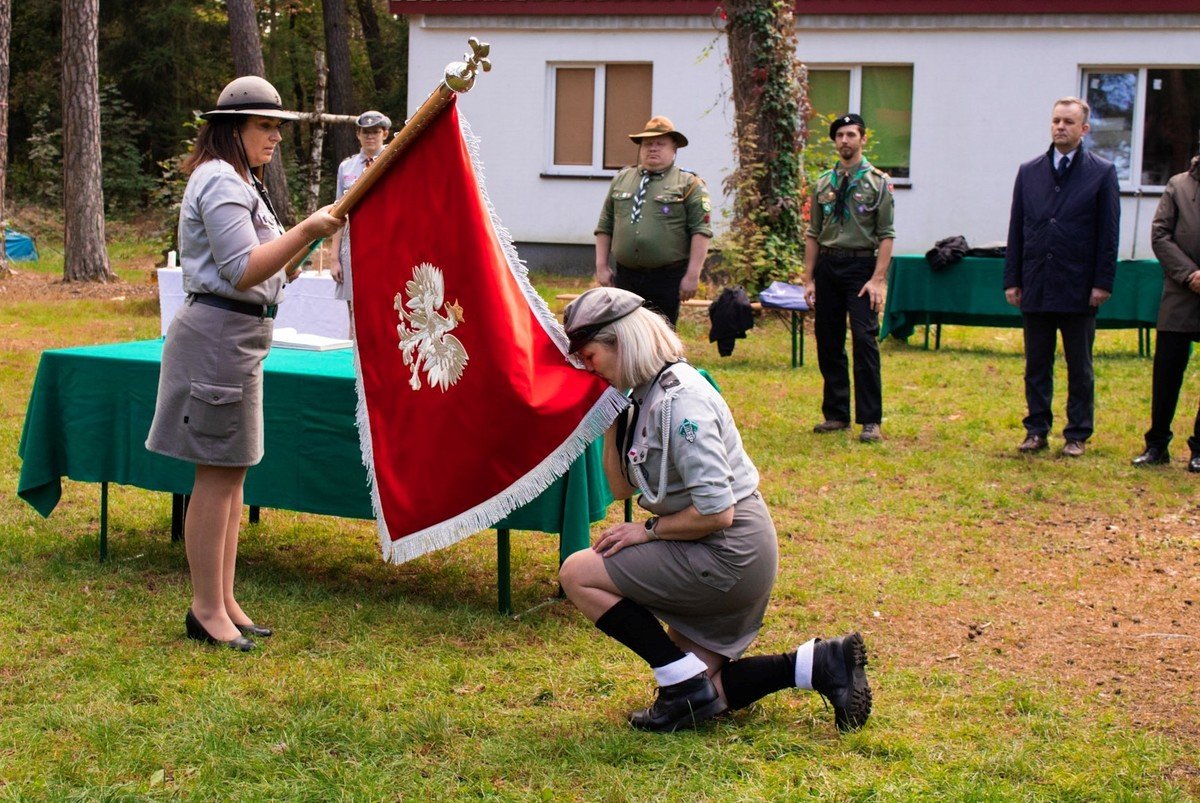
column 5, row 36
column 374, row 41
column 771, row 111
column 341, row 85
column 248, row 60
column 86, row 259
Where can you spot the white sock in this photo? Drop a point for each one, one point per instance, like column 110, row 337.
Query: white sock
column 804, row 664
column 678, row 671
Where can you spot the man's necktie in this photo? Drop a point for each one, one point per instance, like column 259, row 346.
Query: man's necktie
column 640, row 198
column 368, row 161
column 1062, row 166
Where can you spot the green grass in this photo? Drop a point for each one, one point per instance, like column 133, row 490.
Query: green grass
column 400, row 682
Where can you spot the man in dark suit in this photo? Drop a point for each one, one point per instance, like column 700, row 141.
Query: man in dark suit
column 1059, row 269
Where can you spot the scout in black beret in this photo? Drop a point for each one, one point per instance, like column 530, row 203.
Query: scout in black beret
column 847, row 119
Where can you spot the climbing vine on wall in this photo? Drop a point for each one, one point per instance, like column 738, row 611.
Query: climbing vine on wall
column 765, row 238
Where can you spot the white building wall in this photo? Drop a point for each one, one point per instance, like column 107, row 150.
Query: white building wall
column 981, row 106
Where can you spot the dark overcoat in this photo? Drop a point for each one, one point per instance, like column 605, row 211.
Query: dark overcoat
column 1063, row 233
column 1175, row 234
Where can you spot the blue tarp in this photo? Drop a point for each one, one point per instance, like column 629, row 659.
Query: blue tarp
column 19, row 246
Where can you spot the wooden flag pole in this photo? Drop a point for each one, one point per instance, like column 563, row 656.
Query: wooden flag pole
column 459, row 78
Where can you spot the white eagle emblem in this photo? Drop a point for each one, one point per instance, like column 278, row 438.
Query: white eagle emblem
column 425, row 338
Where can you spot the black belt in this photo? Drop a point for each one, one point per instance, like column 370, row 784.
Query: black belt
column 244, row 307
column 680, row 265
column 845, row 253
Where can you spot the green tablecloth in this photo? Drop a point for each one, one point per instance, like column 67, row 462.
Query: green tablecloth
column 971, row 293
column 91, row 407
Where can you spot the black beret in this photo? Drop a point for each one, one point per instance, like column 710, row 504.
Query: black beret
column 846, row 119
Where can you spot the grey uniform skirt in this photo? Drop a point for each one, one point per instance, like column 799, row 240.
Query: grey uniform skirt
column 714, row 590
column 209, row 408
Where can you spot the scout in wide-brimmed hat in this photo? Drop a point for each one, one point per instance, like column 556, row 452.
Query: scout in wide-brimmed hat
column 657, row 127
column 250, row 95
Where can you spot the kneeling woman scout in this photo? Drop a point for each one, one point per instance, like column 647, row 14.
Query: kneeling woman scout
column 705, row 561
column 209, row 410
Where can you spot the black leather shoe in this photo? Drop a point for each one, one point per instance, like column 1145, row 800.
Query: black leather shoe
column 196, row 632
column 1194, row 464
column 681, row 705
column 1073, row 449
column 839, row 673
column 1033, row 443
column 254, row 630
column 1153, row 456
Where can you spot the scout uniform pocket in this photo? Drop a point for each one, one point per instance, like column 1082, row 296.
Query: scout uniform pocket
column 214, row 410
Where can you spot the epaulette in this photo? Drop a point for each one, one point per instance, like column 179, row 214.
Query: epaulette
column 884, row 177
column 668, row 380
column 694, row 183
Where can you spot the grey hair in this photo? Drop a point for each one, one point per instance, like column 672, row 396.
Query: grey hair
column 644, row 343
column 1072, row 100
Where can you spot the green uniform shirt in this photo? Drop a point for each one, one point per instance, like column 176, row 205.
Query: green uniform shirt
column 676, row 207
column 869, row 209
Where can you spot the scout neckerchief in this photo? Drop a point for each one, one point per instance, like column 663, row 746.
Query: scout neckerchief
column 840, row 210
column 640, row 198
column 627, row 427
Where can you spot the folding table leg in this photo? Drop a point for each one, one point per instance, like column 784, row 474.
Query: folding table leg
column 801, row 325
column 793, row 338
column 503, row 573
column 176, row 517
column 103, row 522
column 254, row 514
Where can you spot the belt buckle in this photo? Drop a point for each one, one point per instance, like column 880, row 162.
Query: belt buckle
column 270, row 310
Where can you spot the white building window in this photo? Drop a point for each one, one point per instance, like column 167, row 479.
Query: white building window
column 882, row 94
column 1146, row 120
column 592, row 110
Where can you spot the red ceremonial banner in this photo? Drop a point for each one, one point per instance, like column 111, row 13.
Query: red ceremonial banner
column 468, row 406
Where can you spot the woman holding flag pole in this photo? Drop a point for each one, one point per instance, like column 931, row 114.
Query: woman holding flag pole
column 209, row 408
column 705, row 561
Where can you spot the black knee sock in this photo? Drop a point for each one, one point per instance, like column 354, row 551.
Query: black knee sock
column 753, row 678
column 636, row 628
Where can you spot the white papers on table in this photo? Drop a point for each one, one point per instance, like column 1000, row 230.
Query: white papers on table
column 288, row 338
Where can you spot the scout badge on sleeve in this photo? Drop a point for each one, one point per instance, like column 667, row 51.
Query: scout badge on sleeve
column 688, row 430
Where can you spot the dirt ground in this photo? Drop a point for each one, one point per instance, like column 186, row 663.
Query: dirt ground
column 23, row 285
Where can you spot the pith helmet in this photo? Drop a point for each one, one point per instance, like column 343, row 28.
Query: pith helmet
column 657, row 127
column 250, row 95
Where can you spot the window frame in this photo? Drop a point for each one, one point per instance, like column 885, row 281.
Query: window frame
column 596, row 169
column 1138, row 132
column 854, row 101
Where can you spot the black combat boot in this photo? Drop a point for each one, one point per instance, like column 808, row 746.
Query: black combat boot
column 681, row 705
column 839, row 674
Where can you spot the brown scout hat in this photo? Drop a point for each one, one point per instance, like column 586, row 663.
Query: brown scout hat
column 657, row 127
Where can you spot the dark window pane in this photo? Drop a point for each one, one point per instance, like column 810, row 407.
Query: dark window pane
column 887, row 108
column 1111, row 96
column 626, row 110
column 828, row 94
column 1172, row 124
column 574, row 115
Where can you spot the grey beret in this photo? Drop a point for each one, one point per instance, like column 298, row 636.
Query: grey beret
column 595, row 309
column 373, row 119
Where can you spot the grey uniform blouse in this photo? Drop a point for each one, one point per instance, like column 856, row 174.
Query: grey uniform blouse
column 221, row 219
column 685, row 448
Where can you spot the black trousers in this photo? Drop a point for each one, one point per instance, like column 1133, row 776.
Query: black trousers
column 659, row 286
column 837, row 284
column 1172, row 351
column 1078, row 335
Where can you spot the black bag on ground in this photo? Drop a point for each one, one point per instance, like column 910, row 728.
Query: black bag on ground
column 731, row 318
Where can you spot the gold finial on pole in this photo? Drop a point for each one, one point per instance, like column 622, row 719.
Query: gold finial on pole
column 460, row 75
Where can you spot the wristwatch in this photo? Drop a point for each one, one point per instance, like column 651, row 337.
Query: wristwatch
column 651, row 523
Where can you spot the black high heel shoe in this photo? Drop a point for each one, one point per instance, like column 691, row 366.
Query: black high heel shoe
column 254, row 630
column 196, row 632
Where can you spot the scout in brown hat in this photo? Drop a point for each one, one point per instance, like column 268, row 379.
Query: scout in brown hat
column 657, row 127
column 655, row 224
